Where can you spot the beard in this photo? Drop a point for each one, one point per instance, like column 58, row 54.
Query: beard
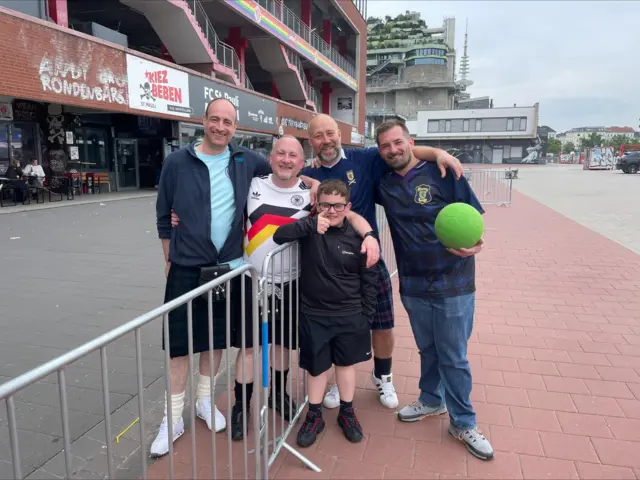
column 398, row 162
column 330, row 157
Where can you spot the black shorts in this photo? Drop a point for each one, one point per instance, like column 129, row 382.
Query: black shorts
column 326, row 341
column 180, row 281
column 282, row 324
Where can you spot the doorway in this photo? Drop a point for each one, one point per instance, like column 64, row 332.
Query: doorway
column 127, row 163
column 150, row 159
column 497, row 155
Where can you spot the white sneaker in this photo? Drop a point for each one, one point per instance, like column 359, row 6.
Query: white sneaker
column 388, row 396
column 160, row 445
column 332, row 398
column 203, row 411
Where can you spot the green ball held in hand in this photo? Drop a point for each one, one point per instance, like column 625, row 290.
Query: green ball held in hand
column 459, row 225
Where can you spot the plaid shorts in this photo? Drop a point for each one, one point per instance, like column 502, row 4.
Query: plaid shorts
column 384, row 319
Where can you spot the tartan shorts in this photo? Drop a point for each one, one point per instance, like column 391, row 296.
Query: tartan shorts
column 383, row 319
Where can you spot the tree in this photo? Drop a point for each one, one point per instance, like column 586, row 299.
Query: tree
column 593, row 140
column 554, row 146
column 618, row 140
column 568, row 147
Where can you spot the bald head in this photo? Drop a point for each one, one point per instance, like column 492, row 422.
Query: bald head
column 288, row 142
column 223, row 104
column 220, row 120
column 320, row 121
column 286, row 159
column 325, row 137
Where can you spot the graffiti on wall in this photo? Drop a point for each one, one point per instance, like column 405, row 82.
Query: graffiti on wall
column 63, row 76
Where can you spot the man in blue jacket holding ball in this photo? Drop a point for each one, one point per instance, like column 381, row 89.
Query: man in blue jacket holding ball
column 437, row 285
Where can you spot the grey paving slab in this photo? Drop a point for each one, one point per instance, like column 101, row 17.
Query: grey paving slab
column 604, row 201
column 78, row 399
column 69, row 275
column 35, row 448
column 74, row 274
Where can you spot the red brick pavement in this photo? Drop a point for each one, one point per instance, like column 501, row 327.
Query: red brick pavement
column 555, row 356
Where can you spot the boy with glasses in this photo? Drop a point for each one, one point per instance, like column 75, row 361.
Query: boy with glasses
column 338, row 301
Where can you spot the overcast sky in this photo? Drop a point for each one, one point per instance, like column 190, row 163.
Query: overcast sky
column 579, row 60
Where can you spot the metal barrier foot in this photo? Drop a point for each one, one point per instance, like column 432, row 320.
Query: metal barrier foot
column 302, row 458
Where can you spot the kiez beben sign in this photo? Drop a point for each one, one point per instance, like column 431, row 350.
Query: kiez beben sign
column 157, row 88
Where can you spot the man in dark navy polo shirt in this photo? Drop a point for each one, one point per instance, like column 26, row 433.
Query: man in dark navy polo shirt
column 437, row 285
column 362, row 169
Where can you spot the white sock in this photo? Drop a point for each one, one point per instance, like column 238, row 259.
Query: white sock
column 177, row 406
column 204, row 386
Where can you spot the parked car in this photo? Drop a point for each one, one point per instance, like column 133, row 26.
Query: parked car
column 629, row 162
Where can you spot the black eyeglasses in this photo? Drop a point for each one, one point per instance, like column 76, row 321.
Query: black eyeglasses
column 338, row 207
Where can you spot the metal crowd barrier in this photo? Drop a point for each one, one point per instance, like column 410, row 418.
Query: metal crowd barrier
column 10, row 389
column 280, row 274
column 492, row 186
column 386, row 243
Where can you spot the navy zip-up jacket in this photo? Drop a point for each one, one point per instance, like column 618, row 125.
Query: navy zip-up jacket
column 185, row 187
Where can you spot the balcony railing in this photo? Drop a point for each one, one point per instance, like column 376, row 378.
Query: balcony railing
column 361, row 5
column 297, row 26
column 294, row 59
column 225, row 54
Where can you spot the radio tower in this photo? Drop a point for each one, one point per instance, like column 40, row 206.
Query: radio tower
column 464, row 61
column 464, row 82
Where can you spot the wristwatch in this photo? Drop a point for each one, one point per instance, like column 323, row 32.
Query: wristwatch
column 369, row 234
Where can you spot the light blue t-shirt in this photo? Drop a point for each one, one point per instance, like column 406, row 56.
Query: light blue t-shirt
column 223, row 205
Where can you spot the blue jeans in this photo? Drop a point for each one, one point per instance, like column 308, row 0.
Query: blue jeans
column 442, row 328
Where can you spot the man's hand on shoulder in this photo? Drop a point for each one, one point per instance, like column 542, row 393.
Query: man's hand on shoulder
column 445, row 160
column 313, row 184
column 468, row 252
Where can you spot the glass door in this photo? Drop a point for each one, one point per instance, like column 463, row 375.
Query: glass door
column 4, row 147
column 127, row 163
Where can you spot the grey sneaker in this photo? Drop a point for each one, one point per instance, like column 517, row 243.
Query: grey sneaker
column 474, row 440
column 417, row 411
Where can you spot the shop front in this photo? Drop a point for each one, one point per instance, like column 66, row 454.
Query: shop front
column 122, row 115
column 140, row 145
column 20, row 137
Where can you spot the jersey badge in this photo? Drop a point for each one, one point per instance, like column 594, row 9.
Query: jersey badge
column 423, row 194
column 297, row 200
column 351, row 177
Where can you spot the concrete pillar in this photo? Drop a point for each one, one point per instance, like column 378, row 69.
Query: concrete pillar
column 305, row 12
column 274, row 90
column 309, row 76
column 327, row 31
column 238, row 42
column 166, row 55
column 58, row 12
column 326, row 91
column 342, row 45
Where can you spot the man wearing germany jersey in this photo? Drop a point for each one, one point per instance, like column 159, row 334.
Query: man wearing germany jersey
column 361, row 169
column 274, row 200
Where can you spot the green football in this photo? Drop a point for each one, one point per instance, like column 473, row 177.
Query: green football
column 459, row 225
